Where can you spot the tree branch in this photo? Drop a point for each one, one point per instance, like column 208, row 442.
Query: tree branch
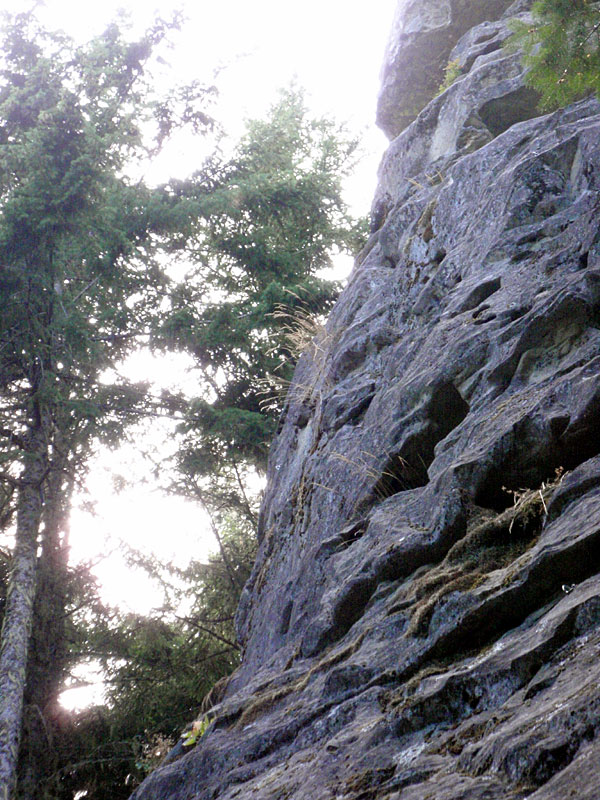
column 14, row 482
column 194, row 624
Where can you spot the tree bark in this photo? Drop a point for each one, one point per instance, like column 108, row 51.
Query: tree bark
column 16, row 627
column 42, row 714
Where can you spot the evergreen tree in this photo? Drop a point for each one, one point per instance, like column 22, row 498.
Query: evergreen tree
column 562, row 50
column 79, row 273
column 83, row 254
column 267, row 219
column 270, row 217
column 157, row 670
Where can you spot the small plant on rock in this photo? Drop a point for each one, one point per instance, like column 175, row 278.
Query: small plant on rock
column 452, row 73
column 531, row 503
column 199, row 727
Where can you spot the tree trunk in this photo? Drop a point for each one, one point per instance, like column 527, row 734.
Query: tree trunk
column 42, row 714
column 16, row 627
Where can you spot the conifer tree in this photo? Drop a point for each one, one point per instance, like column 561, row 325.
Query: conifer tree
column 562, row 50
column 83, row 255
column 78, row 274
column 271, row 215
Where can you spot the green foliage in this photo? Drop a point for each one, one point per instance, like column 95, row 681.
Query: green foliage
column 196, row 732
column 270, row 217
column 452, row 73
column 158, row 669
column 82, row 274
column 84, row 252
column 562, row 50
column 79, row 241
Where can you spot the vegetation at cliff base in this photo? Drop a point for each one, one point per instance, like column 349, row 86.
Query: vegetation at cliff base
column 562, row 50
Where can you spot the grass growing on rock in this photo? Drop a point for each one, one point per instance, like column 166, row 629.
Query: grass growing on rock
column 452, row 72
column 492, row 542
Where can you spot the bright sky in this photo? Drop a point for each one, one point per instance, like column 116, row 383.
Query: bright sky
column 333, row 49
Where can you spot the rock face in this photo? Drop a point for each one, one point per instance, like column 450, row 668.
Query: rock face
column 419, row 49
column 423, row 619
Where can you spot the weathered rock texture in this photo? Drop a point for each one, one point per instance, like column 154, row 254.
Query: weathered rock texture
column 419, row 49
column 423, row 620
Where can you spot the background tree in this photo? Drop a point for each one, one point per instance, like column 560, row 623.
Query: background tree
column 228, row 314
column 84, row 253
column 78, row 249
column 562, row 50
column 270, row 217
column 157, row 669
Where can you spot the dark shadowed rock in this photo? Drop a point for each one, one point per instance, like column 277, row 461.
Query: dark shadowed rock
column 423, row 619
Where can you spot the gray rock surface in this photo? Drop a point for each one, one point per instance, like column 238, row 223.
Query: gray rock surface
column 419, row 49
column 423, row 619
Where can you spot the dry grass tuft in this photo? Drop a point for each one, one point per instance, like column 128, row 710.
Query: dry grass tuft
column 302, row 332
column 301, row 328
column 491, row 543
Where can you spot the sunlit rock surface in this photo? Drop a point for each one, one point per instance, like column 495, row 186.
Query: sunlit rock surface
column 423, row 620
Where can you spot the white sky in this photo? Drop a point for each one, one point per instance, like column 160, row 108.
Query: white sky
column 333, row 49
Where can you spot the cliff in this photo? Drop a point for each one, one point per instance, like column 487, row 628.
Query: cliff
column 423, row 619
